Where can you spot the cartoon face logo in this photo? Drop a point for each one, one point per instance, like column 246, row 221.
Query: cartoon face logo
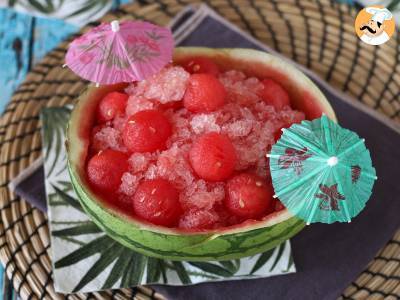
column 374, row 25
column 373, row 28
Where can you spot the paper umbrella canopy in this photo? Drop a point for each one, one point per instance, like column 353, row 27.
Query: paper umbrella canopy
column 120, row 52
column 321, row 172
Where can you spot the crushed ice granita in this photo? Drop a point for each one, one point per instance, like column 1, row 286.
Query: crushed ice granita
column 186, row 148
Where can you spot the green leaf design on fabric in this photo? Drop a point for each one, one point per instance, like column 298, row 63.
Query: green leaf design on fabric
column 116, row 273
column 290, row 263
column 134, row 271
column 181, row 271
column 72, row 240
column 393, row 5
column 231, row 266
column 12, row 2
column 43, row 8
column 108, row 255
column 67, row 198
column 264, row 257
column 95, row 6
column 137, row 269
column 212, row 268
column 281, row 248
column 54, row 121
column 87, row 228
column 66, row 185
column 88, row 250
column 153, row 269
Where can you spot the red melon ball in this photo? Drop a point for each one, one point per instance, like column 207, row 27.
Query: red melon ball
column 199, row 64
column 146, row 131
column 274, row 94
column 111, row 106
column 105, row 170
column 213, row 156
column 204, row 93
column 249, row 196
column 157, row 201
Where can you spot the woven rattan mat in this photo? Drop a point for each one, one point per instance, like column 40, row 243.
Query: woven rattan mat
column 316, row 33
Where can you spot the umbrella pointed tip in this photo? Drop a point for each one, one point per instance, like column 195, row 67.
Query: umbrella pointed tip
column 268, row 155
column 349, row 221
column 332, row 161
column 115, row 25
column 64, row 65
column 308, row 223
column 275, row 196
column 283, row 129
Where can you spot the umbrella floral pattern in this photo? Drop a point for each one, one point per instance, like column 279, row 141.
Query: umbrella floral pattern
column 330, row 197
column 355, row 173
column 94, row 261
column 294, row 159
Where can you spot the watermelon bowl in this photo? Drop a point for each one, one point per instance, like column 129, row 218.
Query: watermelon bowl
column 246, row 238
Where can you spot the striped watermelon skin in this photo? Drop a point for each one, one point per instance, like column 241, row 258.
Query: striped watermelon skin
column 151, row 240
column 193, row 247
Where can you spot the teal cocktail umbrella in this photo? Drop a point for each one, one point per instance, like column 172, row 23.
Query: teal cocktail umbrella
column 321, row 172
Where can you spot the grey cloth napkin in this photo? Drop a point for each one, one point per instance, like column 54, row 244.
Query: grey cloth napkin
column 328, row 257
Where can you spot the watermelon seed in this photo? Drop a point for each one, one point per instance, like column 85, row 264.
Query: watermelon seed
column 153, row 191
column 109, row 113
column 259, row 183
column 152, row 129
column 131, row 122
column 218, row 164
column 196, row 68
column 157, row 214
column 241, row 203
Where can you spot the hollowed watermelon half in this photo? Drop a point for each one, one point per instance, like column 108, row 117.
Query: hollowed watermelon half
column 233, row 242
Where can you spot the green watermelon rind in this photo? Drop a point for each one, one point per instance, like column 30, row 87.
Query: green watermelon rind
column 193, row 247
column 168, row 243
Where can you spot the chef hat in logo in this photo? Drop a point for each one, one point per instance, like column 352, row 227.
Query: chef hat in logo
column 379, row 14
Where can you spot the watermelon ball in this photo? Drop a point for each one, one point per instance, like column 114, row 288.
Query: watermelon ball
column 213, row 156
column 111, row 106
column 146, row 131
column 157, row 201
column 105, row 170
column 204, row 93
column 199, row 64
column 249, row 196
column 274, row 94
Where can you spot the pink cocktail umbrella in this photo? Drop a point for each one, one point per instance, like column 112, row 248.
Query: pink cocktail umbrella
column 120, row 52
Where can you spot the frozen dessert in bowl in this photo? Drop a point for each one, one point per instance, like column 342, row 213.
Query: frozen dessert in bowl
column 174, row 166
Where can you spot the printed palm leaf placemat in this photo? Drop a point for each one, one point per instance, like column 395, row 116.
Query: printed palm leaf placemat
column 86, row 259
